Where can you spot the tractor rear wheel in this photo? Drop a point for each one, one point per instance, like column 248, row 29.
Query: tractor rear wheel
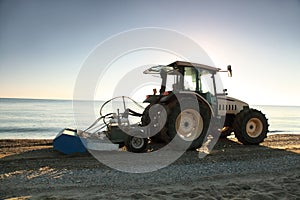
column 146, row 121
column 250, row 126
column 189, row 125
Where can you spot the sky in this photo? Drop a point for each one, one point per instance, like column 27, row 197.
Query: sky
column 43, row 44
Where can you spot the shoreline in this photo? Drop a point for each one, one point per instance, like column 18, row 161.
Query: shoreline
column 32, row 169
column 275, row 132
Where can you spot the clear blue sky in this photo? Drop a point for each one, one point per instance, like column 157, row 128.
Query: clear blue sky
column 43, row 43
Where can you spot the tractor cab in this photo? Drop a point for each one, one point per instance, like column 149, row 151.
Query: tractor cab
column 183, row 76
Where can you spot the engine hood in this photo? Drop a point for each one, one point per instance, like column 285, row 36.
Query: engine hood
column 231, row 99
column 230, row 105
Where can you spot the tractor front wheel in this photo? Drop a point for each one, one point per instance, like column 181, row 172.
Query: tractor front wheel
column 250, row 126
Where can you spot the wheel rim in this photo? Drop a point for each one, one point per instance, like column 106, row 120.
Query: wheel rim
column 137, row 143
column 189, row 124
column 254, row 127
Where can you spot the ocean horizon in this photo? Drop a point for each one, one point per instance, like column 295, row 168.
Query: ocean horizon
column 22, row 118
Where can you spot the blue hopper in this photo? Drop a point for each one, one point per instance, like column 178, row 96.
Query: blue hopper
column 68, row 142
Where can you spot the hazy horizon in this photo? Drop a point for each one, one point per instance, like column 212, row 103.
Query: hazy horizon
column 99, row 100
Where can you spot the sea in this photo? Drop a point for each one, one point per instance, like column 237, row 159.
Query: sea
column 43, row 119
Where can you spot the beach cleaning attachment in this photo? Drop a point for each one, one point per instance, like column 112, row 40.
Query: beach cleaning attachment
column 110, row 131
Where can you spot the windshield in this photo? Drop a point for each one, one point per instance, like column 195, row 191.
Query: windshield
column 183, row 78
column 198, row 80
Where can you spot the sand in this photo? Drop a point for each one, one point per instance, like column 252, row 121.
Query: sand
column 31, row 169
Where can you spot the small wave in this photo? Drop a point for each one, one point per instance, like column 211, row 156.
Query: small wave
column 28, row 130
column 283, row 132
column 279, row 131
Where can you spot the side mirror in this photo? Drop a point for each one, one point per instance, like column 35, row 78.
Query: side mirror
column 154, row 91
column 229, row 70
column 225, row 91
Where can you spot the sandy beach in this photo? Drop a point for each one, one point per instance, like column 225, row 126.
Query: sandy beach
column 31, row 169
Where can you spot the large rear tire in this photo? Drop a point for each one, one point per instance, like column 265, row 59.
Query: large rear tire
column 158, row 138
column 250, row 126
column 189, row 124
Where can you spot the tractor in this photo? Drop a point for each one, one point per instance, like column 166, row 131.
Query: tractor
column 194, row 104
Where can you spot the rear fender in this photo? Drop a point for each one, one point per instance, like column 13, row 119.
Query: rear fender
column 152, row 98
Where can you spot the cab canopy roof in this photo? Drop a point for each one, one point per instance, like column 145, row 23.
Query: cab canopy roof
column 178, row 64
